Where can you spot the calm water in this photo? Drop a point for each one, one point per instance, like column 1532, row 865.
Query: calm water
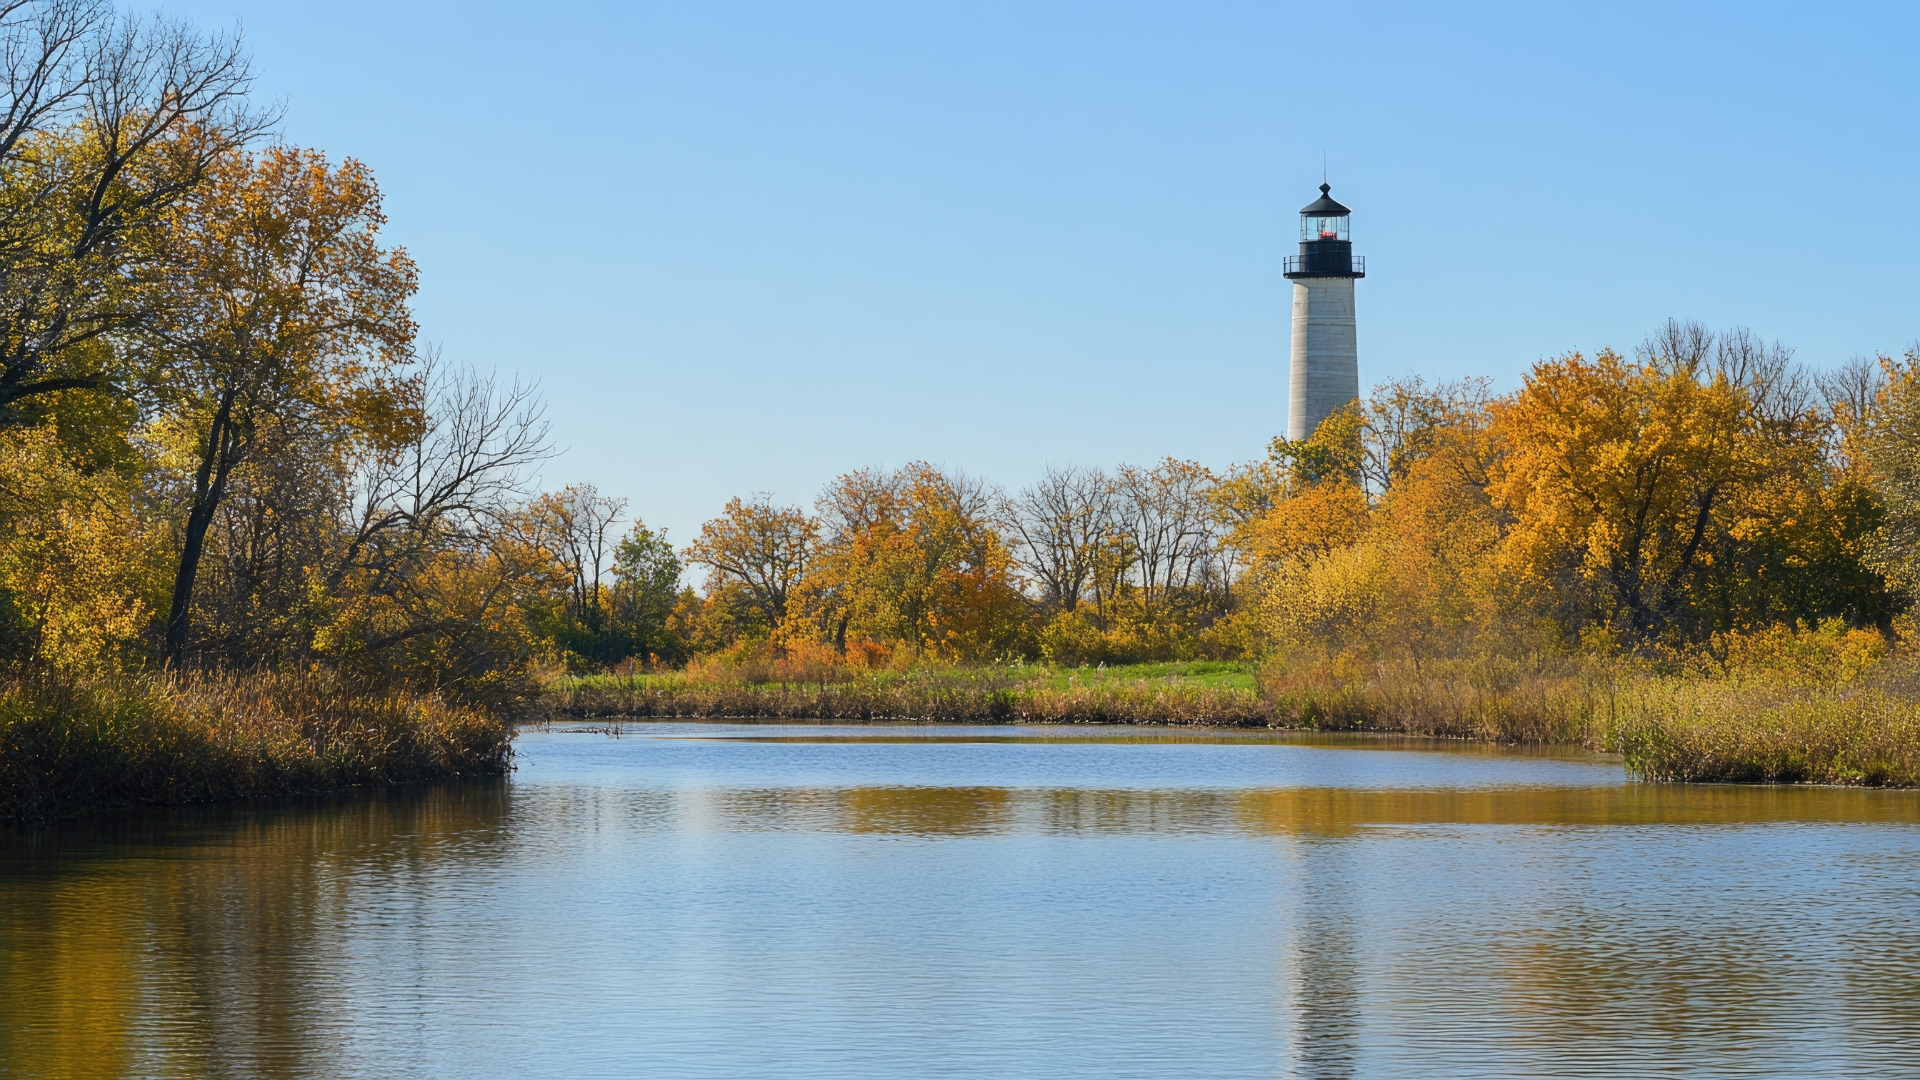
column 776, row 901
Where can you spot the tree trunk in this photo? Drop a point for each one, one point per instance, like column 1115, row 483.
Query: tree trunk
column 209, row 486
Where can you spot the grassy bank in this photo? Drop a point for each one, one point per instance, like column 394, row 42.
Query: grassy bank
column 1496, row 701
column 1838, row 713
column 75, row 748
column 1195, row 693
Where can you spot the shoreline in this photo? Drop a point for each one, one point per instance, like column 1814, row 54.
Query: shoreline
column 1776, row 727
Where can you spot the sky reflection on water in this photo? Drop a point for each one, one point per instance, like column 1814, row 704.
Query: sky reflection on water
column 727, row 901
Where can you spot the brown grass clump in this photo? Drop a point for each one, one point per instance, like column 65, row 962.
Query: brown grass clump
column 1493, row 699
column 1746, row 732
column 69, row 748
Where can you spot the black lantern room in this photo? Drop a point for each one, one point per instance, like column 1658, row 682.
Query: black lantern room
column 1326, row 249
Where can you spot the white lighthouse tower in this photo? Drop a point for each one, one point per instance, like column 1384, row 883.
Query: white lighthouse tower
column 1326, row 356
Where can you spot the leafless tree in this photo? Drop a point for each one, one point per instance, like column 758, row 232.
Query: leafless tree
column 1167, row 520
column 581, row 522
column 455, row 484
column 318, row 518
column 44, row 62
column 1680, row 348
column 1406, row 419
column 970, row 497
column 454, row 494
column 1058, row 524
column 1782, row 391
column 1852, row 388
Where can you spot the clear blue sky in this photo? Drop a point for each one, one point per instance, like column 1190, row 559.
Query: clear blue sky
column 747, row 247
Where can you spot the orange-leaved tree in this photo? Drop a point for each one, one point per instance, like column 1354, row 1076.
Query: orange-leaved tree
column 760, row 551
column 915, row 559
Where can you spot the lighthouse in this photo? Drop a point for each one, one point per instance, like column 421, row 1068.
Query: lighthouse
column 1326, row 357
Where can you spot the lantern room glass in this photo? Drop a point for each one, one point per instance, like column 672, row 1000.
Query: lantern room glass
column 1323, row 228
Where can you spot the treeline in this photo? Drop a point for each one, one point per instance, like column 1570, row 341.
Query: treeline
column 1706, row 486
column 1651, row 504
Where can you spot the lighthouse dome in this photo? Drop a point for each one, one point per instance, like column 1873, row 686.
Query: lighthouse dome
column 1324, row 206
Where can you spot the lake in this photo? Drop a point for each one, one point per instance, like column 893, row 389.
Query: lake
column 711, row 900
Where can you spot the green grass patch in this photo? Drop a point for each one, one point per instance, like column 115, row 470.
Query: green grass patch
column 1210, row 674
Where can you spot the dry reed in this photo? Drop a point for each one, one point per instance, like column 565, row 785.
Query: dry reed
column 1740, row 731
column 1492, row 699
column 69, row 748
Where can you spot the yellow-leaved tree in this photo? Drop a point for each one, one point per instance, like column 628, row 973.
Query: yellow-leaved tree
column 756, row 555
column 81, row 566
column 1629, row 483
column 1380, row 541
column 279, row 319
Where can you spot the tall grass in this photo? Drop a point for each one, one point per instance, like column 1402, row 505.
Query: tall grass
column 1765, row 731
column 1822, row 705
column 71, row 747
column 1496, row 699
column 992, row 694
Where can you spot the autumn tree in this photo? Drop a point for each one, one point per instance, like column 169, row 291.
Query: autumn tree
column 1687, row 491
column 862, row 515
column 1613, row 474
column 763, row 549
column 81, row 567
column 278, row 306
column 1307, row 499
column 1889, row 442
column 106, row 125
column 914, row 558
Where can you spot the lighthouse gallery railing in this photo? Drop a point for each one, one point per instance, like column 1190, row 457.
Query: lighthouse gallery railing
column 1296, row 264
